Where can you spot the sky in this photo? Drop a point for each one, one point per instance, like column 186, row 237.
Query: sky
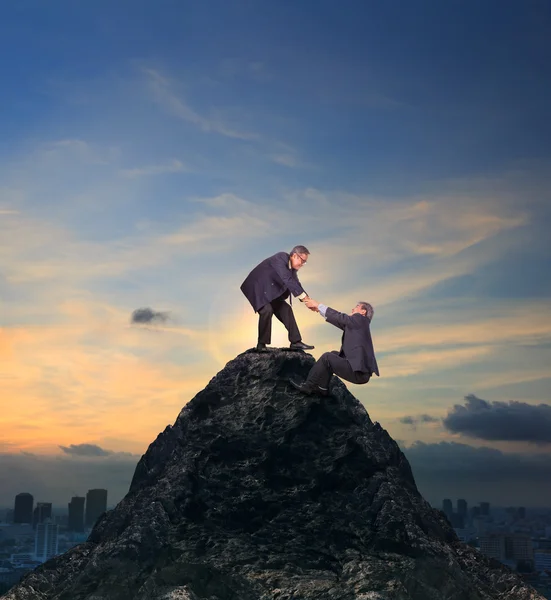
column 152, row 153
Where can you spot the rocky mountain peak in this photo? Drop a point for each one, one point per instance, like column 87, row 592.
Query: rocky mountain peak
column 260, row 493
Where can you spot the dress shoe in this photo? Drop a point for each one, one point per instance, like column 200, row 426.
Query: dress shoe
column 261, row 347
column 300, row 346
column 309, row 388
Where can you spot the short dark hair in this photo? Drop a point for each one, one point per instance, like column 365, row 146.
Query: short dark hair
column 368, row 309
column 300, row 250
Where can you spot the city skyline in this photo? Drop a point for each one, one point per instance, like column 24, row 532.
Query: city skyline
column 151, row 157
column 515, row 536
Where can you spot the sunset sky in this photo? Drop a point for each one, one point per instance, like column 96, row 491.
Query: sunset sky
column 152, row 153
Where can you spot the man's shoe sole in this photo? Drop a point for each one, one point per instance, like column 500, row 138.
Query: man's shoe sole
column 317, row 391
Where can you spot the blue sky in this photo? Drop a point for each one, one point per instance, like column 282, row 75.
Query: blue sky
column 153, row 153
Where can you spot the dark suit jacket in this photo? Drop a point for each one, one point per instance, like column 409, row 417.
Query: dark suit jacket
column 269, row 280
column 357, row 346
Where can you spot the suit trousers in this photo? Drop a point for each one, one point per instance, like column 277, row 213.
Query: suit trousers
column 331, row 363
column 284, row 313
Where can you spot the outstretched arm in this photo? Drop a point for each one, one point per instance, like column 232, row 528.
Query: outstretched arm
column 339, row 319
column 336, row 318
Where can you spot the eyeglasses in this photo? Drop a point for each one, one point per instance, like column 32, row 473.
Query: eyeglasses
column 302, row 260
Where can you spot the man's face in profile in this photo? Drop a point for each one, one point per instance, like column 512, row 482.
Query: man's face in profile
column 298, row 260
column 358, row 309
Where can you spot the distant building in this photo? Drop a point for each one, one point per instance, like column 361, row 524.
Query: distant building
column 521, row 512
column 21, row 533
column 447, row 507
column 457, row 521
column 493, row 546
column 542, row 561
column 96, row 505
column 462, row 508
column 485, row 509
column 507, row 547
column 22, row 559
column 42, row 511
column 8, row 577
column 46, row 540
column 23, row 508
column 481, row 525
column 61, row 520
column 518, row 546
column 542, row 543
column 465, row 535
column 76, row 513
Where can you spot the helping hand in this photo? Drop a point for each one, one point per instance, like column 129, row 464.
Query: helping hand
column 311, row 303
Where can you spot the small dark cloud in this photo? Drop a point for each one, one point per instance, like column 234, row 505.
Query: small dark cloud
column 411, row 420
column 148, row 315
column 428, row 419
column 506, row 421
column 85, row 450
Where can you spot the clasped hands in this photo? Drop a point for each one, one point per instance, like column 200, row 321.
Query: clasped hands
column 311, row 303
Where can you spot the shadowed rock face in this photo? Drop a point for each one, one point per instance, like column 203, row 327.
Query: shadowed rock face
column 258, row 493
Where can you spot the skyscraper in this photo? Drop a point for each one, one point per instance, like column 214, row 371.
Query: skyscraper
column 42, row 511
column 447, row 507
column 462, row 507
column 46, row 540
column 76, row 513
column 23, row 508
column 485, row 508
column 521, row 512
column 96, row 504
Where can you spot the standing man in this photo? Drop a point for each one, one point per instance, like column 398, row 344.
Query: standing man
column 267, row 287
column 355, row 362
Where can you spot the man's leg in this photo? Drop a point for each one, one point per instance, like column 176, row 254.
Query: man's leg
column 285, row 314
column 331, row 363
column 265, row 324
column 320, row 374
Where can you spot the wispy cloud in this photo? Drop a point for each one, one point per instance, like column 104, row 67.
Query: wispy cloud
column 287, row 160
column 164, row 94
column 174, row 166
column 29, row 254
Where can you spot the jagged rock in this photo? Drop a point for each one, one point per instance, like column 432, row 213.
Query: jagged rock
column 260, row 493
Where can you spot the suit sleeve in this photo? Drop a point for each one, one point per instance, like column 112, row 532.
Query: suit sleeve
column 279, row 264
column 339, row 319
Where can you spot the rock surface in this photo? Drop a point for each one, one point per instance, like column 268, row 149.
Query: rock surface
column 260, row 493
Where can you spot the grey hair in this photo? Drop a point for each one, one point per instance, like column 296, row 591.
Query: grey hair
column 368, row 309
column 300, row 250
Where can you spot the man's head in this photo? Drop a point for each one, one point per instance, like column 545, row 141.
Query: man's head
column 363, row 308
column 299, row 256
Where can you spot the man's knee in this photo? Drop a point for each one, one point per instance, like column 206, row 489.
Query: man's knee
column 362, row 377
column 325, row 358
column 266, row 310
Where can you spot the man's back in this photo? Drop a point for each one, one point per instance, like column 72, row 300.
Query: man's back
column 357, row 344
